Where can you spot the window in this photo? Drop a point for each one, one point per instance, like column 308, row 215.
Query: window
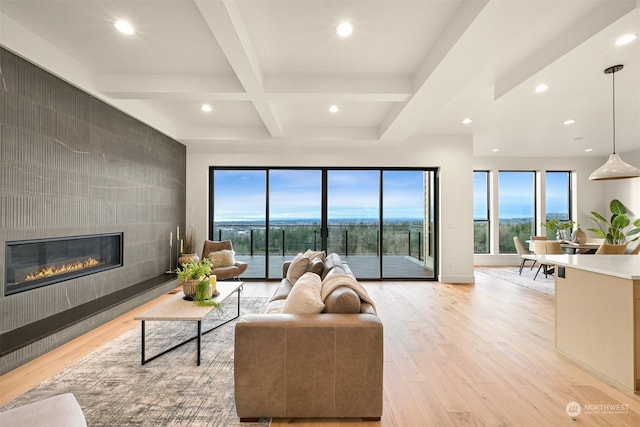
column 381, row 221
column 481, row 212
column 516, row 208
column 557, row 197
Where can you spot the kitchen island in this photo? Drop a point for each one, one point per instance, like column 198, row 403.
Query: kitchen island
column 598, row 314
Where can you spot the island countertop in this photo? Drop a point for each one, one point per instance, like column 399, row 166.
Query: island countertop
column 623, row 266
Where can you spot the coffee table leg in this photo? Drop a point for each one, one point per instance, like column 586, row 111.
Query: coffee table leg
column 199, row 339
column 142, row 342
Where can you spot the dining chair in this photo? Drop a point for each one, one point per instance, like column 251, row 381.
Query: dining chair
column 607, row 249
column 522, row 251
column 546, row 247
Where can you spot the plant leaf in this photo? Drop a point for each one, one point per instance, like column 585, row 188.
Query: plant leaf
column 617, row 207
column 597, row 217
column 620, row 221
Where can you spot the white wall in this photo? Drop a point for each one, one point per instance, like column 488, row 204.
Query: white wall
column 453, row 155
column 625, row 190
column 588, row 195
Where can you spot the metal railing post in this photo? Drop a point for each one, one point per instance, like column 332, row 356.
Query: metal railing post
column 251, row 242
column 346, row 242
column 283, row 242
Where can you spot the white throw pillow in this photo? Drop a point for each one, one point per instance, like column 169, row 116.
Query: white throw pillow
column 304, row 297
column 223, row 258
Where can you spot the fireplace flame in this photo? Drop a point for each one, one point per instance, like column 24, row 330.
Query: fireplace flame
column 54, row 270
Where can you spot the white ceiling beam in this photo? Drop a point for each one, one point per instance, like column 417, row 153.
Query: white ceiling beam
column 295, row 134
column 206, row 133
column 171, row 86
column 600, row 18
column 322, row 88
column 404, row 120
column 226, row 24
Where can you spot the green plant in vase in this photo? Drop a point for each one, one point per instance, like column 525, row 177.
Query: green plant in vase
column 203, row 295
column 191, row 273
column 560, row 227
column 619, row 230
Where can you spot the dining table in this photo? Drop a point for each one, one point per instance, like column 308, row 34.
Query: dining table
column 574, row 247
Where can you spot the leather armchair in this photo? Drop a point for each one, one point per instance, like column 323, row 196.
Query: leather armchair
column 228, row 272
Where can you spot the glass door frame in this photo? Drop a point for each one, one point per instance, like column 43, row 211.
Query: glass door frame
column 433, row 218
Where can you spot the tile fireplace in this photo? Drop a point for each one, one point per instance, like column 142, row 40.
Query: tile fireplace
column 31, row 264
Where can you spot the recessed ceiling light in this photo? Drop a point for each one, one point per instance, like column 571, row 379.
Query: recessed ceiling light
column 344, row 29
column 334, row 109
column 495, row 150
column 206, row 108
column 124, row 27
column 542, row 88
column 569, row 122
column 627, row 38
column 466, row 121
column 588, row 150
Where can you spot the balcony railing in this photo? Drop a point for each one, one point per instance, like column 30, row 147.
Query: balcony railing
column 347, row 239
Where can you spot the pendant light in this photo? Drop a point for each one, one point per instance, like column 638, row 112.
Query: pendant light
column 615, row 167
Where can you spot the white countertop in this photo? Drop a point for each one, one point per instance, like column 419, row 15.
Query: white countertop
column 624, row 266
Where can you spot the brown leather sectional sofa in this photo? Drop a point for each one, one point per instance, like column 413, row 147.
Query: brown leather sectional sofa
column 325, row 365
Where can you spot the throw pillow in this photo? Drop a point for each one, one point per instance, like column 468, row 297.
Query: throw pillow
column 223, row 258
column 297, row 268
column 304, row 298
column 314, row 254
column 316, row 266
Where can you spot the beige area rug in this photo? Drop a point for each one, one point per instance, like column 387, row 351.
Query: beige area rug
column 510, row 274
column 114, row 389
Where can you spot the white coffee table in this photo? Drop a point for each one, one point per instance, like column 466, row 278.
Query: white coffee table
column 177, row 309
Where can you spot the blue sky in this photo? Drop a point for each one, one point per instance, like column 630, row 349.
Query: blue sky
column 296, row 194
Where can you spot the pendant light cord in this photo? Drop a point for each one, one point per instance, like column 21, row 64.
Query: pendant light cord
column 613, row 75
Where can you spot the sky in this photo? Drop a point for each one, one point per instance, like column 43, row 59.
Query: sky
column 296, row 194
column 516, row 194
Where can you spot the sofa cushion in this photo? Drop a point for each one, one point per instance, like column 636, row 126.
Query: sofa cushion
column 223, row 258
column 297, row 268
column 282, row 290
column 333, row 260
column 275, row 306
column 316, row 266
column 342, row 300
column 304, row 297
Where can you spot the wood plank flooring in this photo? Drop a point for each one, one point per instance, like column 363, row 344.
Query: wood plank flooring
column 455, row 355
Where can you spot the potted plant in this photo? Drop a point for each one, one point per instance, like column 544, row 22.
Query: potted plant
column 191, row 274
column 188, row 248
column 619, row 230
column 204, row 295
column 560, row 227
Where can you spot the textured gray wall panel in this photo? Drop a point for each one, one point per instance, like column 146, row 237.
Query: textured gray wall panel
column 72, row 165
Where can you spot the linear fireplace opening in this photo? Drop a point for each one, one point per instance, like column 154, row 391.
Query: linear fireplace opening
column 31, row 264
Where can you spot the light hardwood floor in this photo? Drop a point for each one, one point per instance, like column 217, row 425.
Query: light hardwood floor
column 464, row 355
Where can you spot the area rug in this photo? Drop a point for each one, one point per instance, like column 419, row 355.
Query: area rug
column 114, row 389
column 510, row 274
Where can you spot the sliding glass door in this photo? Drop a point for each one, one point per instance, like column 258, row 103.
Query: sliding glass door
column 380, row 221
column 240, row 198
column 295, row 205
column 353, row 219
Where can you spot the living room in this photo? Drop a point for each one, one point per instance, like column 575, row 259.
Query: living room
column 123, row 151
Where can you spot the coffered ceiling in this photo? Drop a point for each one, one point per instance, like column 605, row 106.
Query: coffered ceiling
column 270, row 69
